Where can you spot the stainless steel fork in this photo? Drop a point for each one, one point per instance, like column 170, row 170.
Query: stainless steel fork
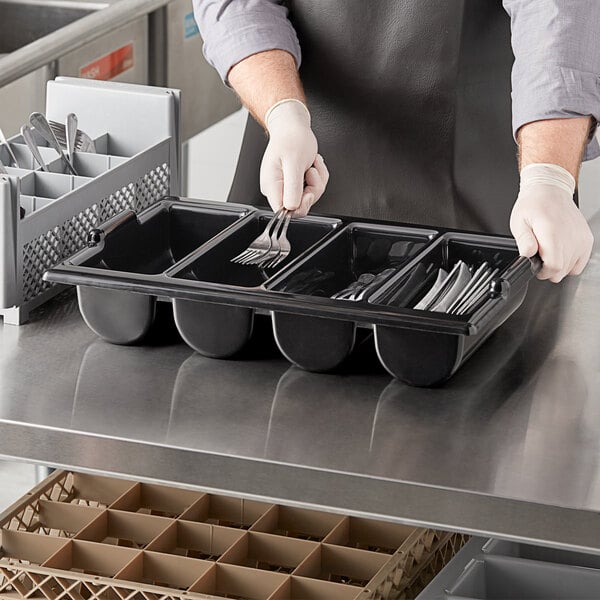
column 83, row 142
column 261, row 245
column 284, row 244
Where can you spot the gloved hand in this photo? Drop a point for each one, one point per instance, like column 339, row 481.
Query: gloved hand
column 291, row 160
column 545, row 219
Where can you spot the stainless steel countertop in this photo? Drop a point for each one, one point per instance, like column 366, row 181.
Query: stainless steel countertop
column 509, row 447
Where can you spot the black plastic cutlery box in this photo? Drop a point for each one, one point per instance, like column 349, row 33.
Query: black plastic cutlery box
column 341, row 274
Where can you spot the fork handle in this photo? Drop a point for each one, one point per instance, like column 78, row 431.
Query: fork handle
column 281, row 219
column 273, row 223
column 286, row 223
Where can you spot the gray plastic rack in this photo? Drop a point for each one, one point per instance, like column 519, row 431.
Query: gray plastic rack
column 136, row 132
column 496, row 569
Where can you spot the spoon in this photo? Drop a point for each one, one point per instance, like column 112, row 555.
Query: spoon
column 27, row 134
column 4, row 142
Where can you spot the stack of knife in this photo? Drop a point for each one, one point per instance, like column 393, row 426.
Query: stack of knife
column 457, row 292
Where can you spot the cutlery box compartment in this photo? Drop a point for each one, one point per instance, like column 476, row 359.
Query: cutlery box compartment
column 318, row 343
column 144, row 247
column 165, row 235
column 354, row 251
column 339, row 276
column 221, row 330
column 107, row 538
column 422, row 357
column 213, row 265
column 187, row 242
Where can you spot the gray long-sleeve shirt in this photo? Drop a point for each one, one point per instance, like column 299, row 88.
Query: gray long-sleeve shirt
column 556, row 44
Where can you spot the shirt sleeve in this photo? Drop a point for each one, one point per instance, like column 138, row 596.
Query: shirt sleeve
column 235, row 29
column 556, row 73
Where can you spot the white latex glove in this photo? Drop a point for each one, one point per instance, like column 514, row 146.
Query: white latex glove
column 545, row 220
column 292, row 174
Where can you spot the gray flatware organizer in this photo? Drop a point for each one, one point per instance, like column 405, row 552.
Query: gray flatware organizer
column 137, row 162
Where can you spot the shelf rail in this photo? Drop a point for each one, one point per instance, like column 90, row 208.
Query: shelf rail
column 51, row 47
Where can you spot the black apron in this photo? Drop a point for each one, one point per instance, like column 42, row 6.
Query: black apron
column 410, row 103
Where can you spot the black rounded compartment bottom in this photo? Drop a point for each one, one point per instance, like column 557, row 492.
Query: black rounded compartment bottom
column 118, row 317
column 213, row 330
column 313, row 343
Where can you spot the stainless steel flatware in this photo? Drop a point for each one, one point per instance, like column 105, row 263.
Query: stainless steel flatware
column 356, row 286
column 377, row 282
column 83, row 142
column 463, row 278
column 479, row 282
column 4, row 142
column 41, row 125
column 477, row 293
column 433, row 293
column 262, row 259
column 71, row 135
column 281, row 247
column 421, row 278
column 262, row 245
column 477, row 275
column 27, row 134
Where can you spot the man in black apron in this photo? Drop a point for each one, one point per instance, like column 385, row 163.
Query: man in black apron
column 410, row 106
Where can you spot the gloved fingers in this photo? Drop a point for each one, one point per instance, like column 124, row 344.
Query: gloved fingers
column 271, row 182
column 293, row 184
column 316, row 180
column 565, row 251
column 310, row 194
column 553, row 269
column 545, row 209
column 552, row 254
column 579, row 266
column 524, row 236
column 308, row 199
column 584, row 256
column 322, row 169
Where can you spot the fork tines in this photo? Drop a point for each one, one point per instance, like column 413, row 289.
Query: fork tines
column 271, row 247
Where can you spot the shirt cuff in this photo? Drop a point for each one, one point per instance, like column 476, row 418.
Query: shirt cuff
column 231, row 41
column 555, row 92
